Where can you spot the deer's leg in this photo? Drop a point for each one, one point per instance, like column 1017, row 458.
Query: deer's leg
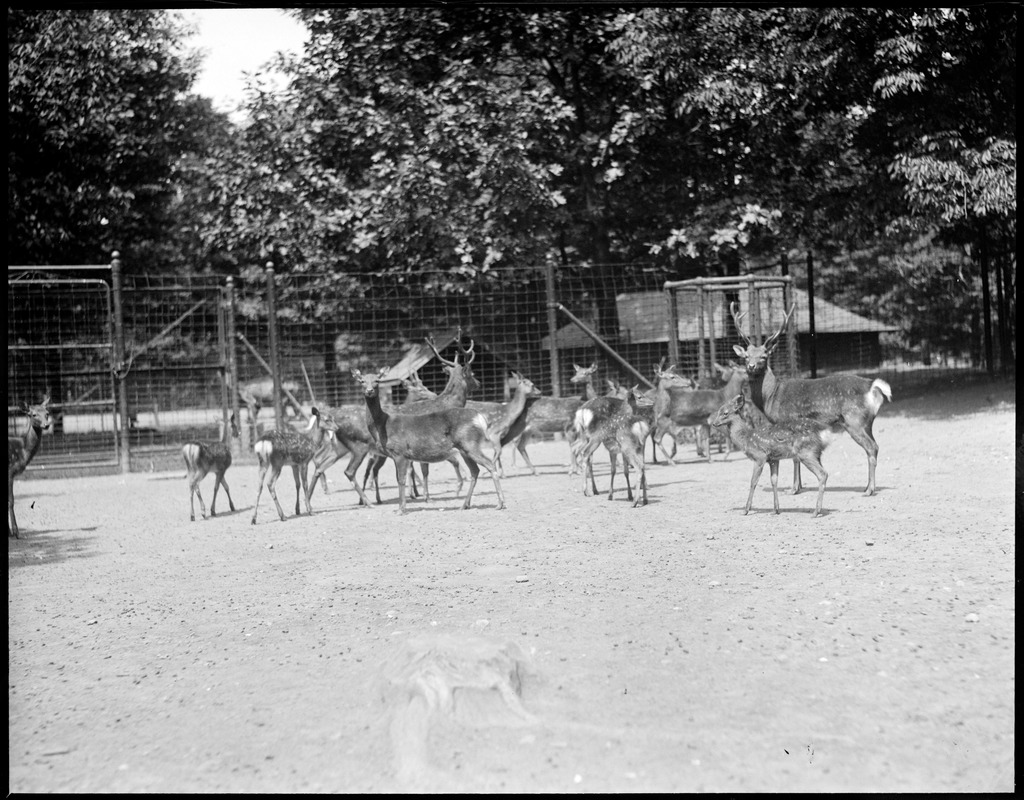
column 458, row 474
column 704, row 432
column 303, row 471
column 275, row 473
column 797, row 484
column 865, row 439
column 814, row 465
column 773, row 467
column 521, row 443
column 758, row 466
column 259, row 490
column 403, row 467
column 227, row 491
column 479, row 457
column 474, row 471
column 193, row 490
column 216, row 485
column 321, row 461
column 350, row 473
column 295, row 474
column 611, row 476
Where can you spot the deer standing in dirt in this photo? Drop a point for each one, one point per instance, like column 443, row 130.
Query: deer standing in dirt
column 461, row 383
column 202, row 458
column 803, row 440
column 556, row 415
column 502, row 417
column 677, row 410
column 280, row 448
column 841, row 402
column 21, row 450
column 622, row 427
column 429, row 437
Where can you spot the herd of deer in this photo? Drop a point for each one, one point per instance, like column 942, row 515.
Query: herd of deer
column 768, row 417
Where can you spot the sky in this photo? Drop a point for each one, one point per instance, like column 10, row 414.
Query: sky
column 238, row 40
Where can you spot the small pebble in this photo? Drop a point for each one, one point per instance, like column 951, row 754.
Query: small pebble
column 972, row 618
column 521, row 579
column 869, row 543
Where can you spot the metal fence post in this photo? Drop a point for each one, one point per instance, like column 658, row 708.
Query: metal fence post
column 810, row 316
column 673, row 326
column 231, row 356
column 274, row 362
column 120, row 368
column 549, row 282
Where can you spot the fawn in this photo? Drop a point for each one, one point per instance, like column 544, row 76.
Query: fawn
column 202, row 458
column 765, row 441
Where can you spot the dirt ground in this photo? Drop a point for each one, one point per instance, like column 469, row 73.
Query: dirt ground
column 565, row 644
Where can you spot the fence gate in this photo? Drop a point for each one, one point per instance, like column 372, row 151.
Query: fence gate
column 60, row 342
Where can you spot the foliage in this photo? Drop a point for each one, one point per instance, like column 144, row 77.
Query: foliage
column 95, row 124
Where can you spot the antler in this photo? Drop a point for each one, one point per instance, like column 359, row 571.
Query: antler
column 785, row 321
column 737, row 317
column 442, row 359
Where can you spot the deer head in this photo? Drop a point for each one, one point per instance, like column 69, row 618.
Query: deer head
column 728, row 410
column 756, row 356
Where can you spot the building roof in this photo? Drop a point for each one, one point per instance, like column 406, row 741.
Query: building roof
column 643, row 318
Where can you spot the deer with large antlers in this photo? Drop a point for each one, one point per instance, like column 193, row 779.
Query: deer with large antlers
column 461, row 383
column 21, row 450
column 353, row 434
column 429, row 437
column 202, row 458
column 839, row 402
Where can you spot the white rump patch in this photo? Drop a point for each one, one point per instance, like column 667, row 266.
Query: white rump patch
column 263, row 449
column 584, row 417
column 480, row 421
column 879, row 392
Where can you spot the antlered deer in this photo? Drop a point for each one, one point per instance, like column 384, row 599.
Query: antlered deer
column 430, row 437
column 840, row 402
column 202, row 458
column 21, row 450
column 764, row 441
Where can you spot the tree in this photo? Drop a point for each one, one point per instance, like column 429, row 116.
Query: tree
column 96, row 122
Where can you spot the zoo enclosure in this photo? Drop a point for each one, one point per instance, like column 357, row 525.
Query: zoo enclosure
column 136, row 365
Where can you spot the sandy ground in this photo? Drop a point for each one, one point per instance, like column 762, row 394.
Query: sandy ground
column 566, row 644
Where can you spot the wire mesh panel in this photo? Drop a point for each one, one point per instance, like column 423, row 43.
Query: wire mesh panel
column 175, row 346
column 59, row 342
column 706, row 330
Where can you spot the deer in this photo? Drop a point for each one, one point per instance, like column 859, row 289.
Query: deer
column 461, row 383
column 622, row 428
column 353, row 432
column 556, row 415
column 260, row 393
column 801, row 439
column 279, row 448
column 676, row 409
column 202, row 458
column 22, row 449
column 842, row 402
column 501, row 417
column 429, row 437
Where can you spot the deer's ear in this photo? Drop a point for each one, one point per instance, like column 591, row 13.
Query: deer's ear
column 739, row 351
